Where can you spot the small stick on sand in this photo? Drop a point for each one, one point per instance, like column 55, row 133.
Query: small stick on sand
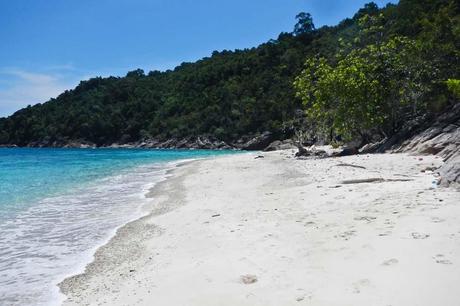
column 374, row 180
column 350, row 165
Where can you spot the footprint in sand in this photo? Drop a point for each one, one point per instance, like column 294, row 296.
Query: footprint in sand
column 365, row 218
column 346, row 235
column 388, row 222
column 440, row 259
column 437, row 220
column 390, row 262
column 360, row 285
column 416, row 235
column 387, row 233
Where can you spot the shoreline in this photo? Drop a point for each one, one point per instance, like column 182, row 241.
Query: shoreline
column 131, row 268
column 143, row 211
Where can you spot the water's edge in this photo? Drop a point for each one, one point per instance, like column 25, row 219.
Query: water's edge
column 148, row 192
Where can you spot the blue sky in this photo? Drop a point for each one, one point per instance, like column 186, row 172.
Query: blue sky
column 48, row 46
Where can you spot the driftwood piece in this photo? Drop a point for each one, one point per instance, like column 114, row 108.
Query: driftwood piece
column 373, row 180
column 350, row 165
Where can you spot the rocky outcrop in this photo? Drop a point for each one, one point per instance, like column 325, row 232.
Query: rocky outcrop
column 200, row 142
column 346, row 151
column 450, row 172
column 81, row 145
column 258, row 142
column 372, row 147
column 281, row 145
column 441, row 138
column 253, row 142
column 436, row 140
column 312, row 151
column 8, row 146
column 61, row 144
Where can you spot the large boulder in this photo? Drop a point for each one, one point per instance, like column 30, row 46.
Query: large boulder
column 347, row 151
column 442, row 138
column 450, row 171
column 312, row 151
column 205, row 142
column 277, row 145
column 435, row 135
column 259, row 142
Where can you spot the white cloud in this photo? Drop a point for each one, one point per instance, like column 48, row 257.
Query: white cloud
column 22, row 87
column 19, row 88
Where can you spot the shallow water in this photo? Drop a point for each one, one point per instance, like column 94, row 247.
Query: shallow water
column 58, row 205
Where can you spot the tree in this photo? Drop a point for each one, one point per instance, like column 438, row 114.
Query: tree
column 454, row 87
column 237, row 93
column 372, row 30
column 304, row 24
column 3, row 137
column 370, row 8
column 369, row 88
column 138, row 73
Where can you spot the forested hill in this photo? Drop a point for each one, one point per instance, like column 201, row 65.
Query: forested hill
column 230, row 94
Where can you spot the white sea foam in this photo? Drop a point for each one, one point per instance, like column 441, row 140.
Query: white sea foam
column 58, row 236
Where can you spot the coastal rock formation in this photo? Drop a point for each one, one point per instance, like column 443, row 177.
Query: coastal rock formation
column 281, row 145
column 61, row 143
column 312, row 151
column 450, row 172
column 442, row 138
column 200, row 142
column 8, row 146
column 439, row 136
column 347, row 151
column 258, row 142
column 250, row 143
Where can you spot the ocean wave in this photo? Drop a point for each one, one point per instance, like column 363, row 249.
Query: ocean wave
column 58, row 236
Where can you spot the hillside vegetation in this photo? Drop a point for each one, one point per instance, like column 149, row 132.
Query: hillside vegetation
column 366, row 75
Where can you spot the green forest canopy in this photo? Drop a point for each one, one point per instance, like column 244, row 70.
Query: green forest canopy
column 243, row 92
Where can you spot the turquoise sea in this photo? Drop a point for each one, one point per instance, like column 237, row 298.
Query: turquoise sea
column 58, row 205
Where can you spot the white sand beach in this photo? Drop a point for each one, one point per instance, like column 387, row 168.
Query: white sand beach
column 236, row 230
